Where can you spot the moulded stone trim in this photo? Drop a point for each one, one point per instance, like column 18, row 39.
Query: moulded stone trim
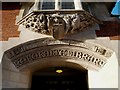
column 86, row 54
column 96, row 48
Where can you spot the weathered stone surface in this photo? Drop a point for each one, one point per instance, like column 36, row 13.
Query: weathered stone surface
column 8, row 15
column 56, row 23
column 88, row 54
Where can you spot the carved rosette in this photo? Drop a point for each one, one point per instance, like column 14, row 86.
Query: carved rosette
column 58, row 25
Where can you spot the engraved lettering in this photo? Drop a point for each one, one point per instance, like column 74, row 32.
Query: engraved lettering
column 58, row 52
column 70, row 53
column 66, row 53
column 100, row 50
column 75, row 53
column 80, row 54
column 85, row 56
column 101, row 63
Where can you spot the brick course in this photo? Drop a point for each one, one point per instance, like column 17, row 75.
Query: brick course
column 109, row 29
column 9, row 12
column 11, row 9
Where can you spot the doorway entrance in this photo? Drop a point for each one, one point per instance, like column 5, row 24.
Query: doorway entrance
column 60, row 78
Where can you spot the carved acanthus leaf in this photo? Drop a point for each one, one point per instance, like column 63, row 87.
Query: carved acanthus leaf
column 57, row 25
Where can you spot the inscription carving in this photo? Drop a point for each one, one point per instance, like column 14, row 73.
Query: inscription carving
column 100, row 50
column 77, row 55
column 49, row 41
column 89, row 54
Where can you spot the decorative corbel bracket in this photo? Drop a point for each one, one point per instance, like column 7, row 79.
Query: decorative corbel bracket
column 58, row 23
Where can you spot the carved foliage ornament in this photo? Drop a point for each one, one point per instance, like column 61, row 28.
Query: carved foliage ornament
column 57, row 25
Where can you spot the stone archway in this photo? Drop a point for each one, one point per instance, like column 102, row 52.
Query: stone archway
column 48, row 66
column 87, row 55
column 52, row 79
column 47, row 52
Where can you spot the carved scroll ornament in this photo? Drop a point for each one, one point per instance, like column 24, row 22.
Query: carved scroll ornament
column 57, row 25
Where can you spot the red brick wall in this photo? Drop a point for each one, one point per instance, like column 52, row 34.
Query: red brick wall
column 109, row 29
column 11, row 9
column 9, row 12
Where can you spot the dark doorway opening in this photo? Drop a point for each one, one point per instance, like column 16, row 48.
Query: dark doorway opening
column 60, row 78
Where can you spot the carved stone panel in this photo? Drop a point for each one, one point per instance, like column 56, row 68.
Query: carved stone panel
column 88, row 55
column 58, row 24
